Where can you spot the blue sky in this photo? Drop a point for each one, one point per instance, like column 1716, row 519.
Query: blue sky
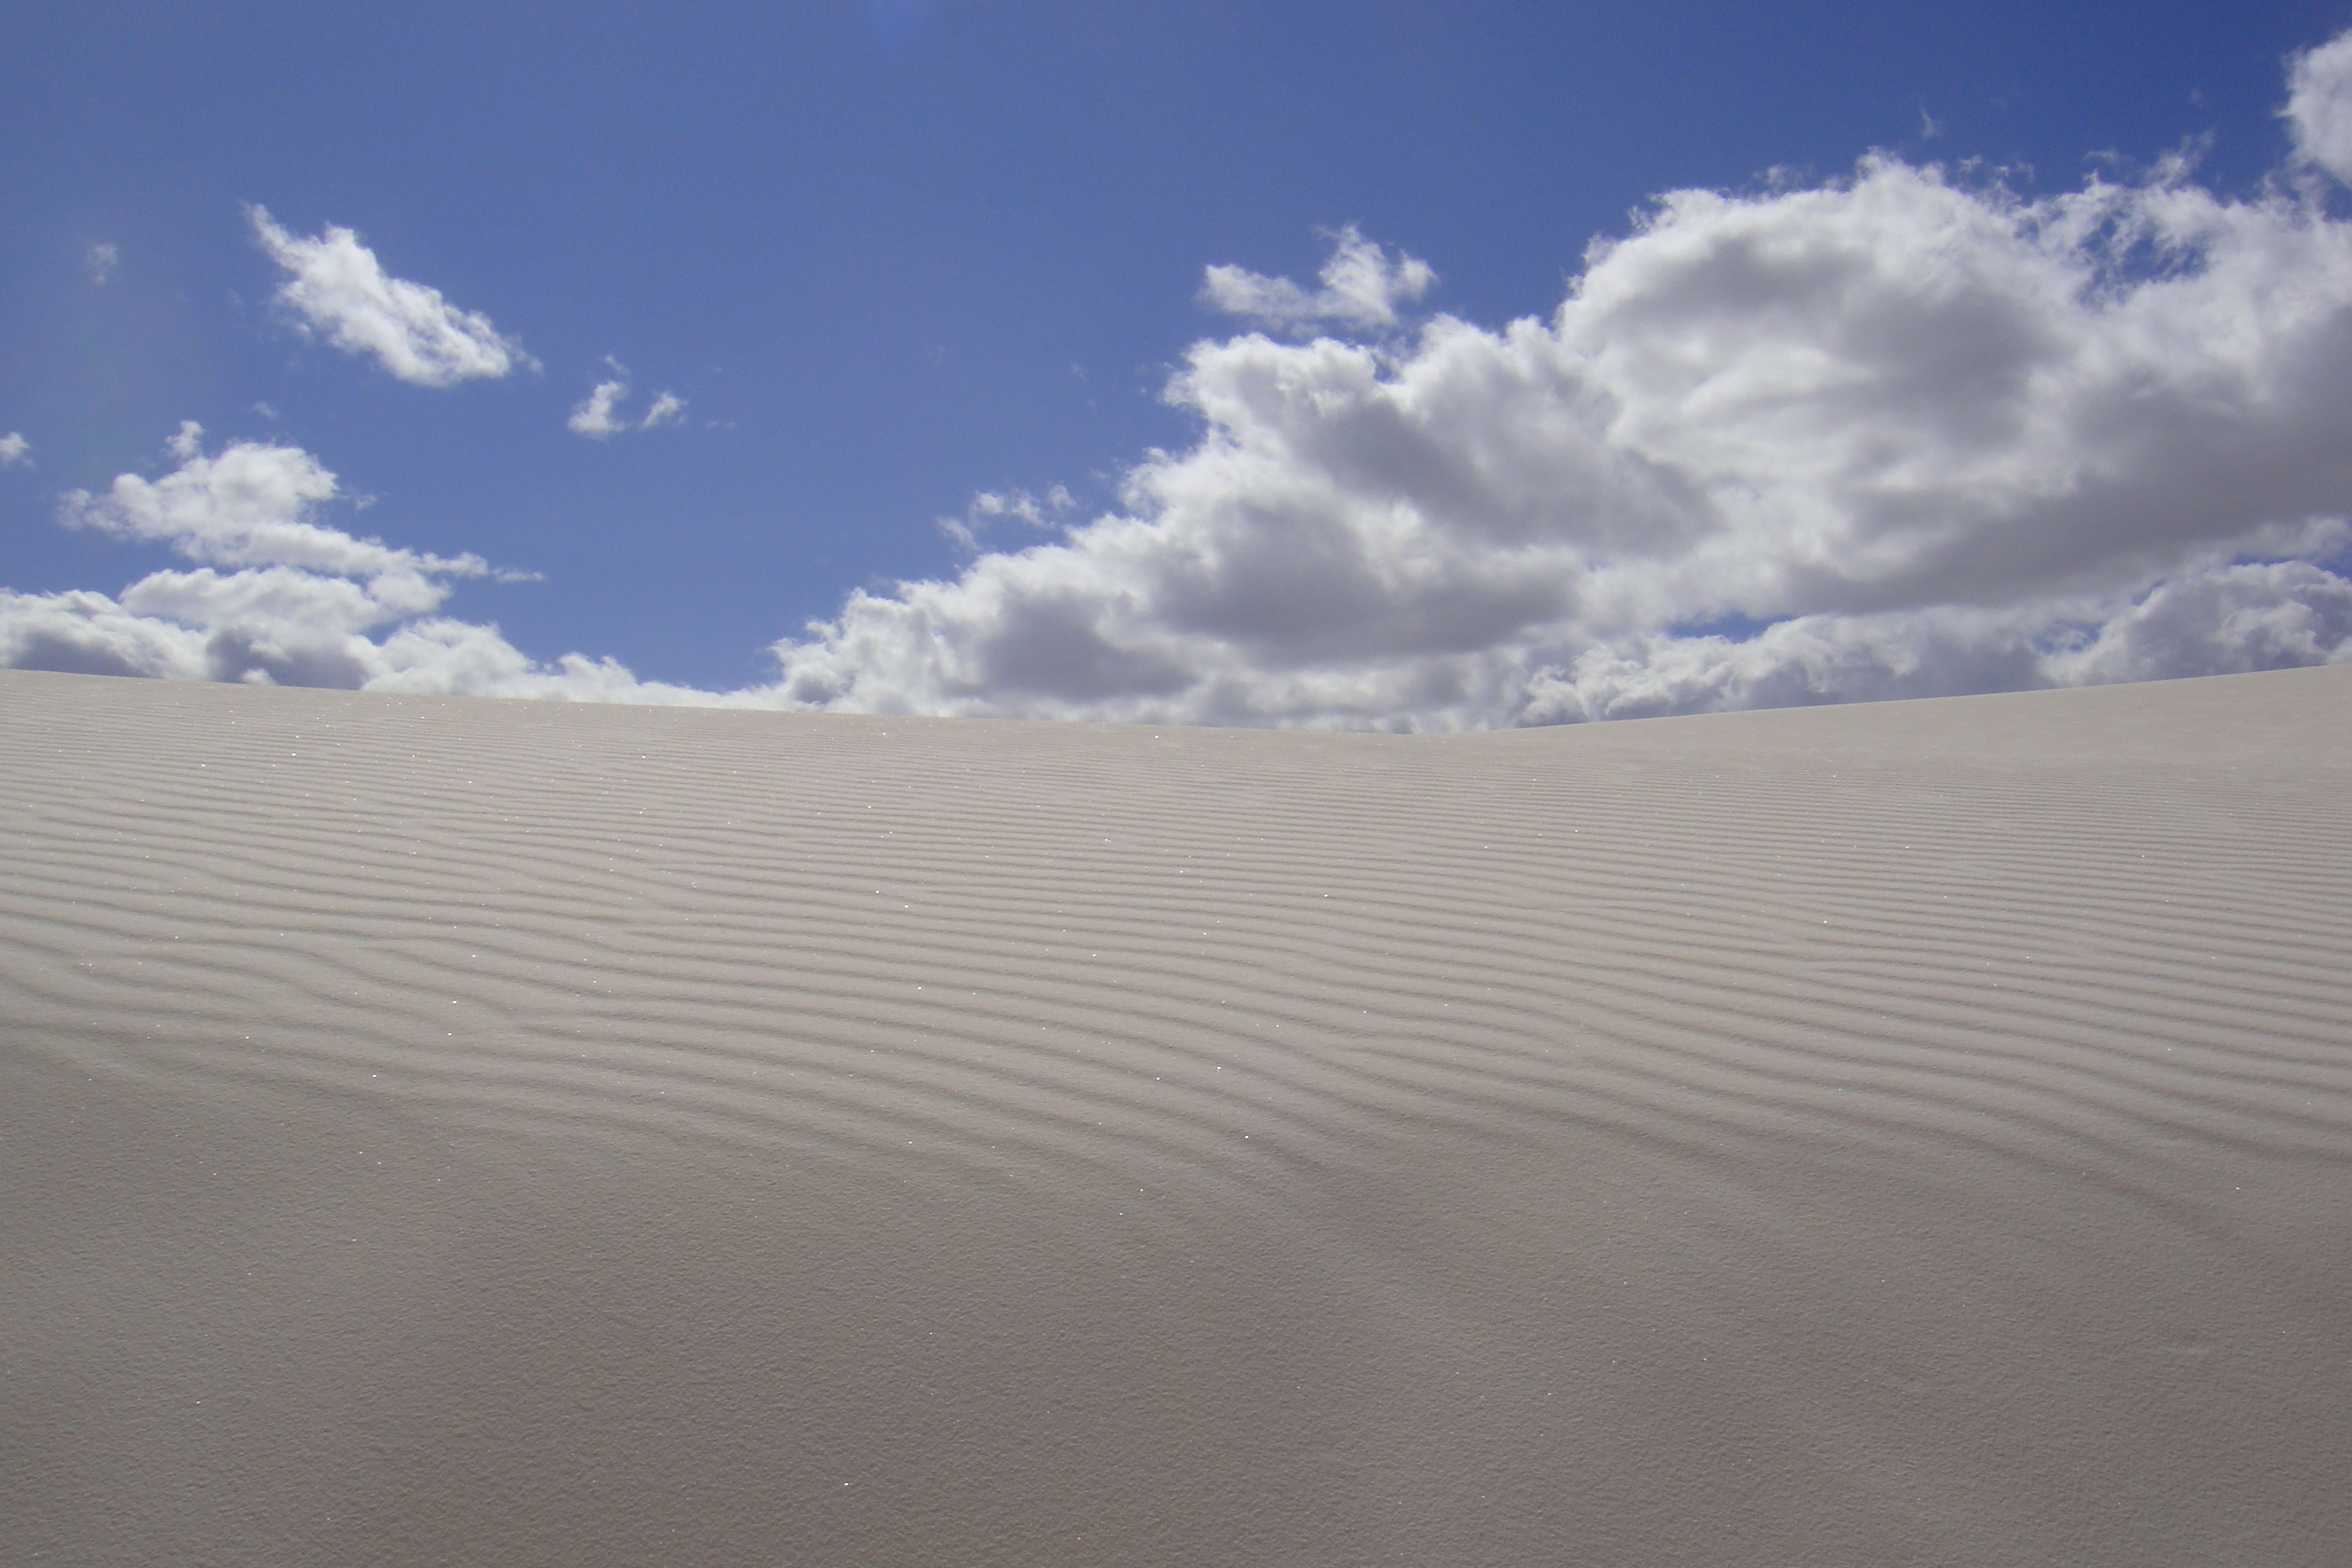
column 893, row 256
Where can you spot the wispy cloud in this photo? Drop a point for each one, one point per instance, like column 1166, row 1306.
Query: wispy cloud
column 987, row 507
column 101, row 262
column 335, row 286
column 15, row 452
column 598, row 416
column 1362, row 288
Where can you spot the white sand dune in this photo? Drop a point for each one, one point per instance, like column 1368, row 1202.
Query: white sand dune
column 448, row 1131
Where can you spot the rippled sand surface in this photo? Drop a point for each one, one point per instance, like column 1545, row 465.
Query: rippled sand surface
column 446, row 1131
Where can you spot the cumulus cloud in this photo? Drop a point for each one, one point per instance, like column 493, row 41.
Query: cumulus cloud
column 15, row 452
column 1899, row 434
column 295, row 604
column 593, row 415
column 2319, row 106
column 2215, row 618
column 334, row 285
column 1361, row 288
column 1896, row 433
column 598, row 417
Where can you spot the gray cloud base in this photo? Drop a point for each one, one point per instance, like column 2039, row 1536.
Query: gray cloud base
column 1892, row 436
column 1910, row 436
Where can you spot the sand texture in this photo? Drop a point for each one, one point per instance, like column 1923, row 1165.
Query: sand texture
column 437, row 1132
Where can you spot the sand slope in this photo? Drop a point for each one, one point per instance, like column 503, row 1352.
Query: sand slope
column 440, row 1132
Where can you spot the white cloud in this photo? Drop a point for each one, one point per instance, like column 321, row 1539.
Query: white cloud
column 101, row 260
column 597, row 415
column 991, row 506
column 1895, row 435
column 295, row 605
column 2319, row 106
column 593, row 415
column 2214, row 618
column 16, row 451
column 250, row 505
column 1933, row 438
column 1361, row 288
column 336, row 286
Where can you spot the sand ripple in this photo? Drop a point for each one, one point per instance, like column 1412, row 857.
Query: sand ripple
column 2019, row 996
